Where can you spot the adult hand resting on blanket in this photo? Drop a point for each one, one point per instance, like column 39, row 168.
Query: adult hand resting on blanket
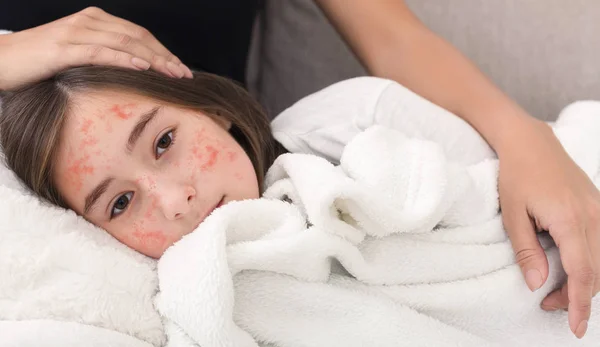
column 541, row 189
column 540, row 186
column 91, row 36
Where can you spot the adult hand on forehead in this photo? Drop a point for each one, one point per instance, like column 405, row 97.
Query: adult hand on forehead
column 88, row 37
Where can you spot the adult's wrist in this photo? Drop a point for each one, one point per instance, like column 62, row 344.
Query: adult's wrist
column 521, row 132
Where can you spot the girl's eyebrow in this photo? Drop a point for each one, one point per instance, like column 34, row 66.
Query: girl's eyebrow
column 92, row 198
column 139, row 128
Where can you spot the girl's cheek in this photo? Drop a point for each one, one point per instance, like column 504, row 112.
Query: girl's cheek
column 147, row 239
column 150, row 214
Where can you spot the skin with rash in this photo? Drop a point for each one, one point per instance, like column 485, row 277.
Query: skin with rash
column 146, row 171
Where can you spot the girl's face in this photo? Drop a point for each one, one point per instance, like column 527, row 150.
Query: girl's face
column 148, row 172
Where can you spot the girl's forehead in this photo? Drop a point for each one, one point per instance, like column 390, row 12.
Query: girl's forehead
column 95, row 118
column 103, row 100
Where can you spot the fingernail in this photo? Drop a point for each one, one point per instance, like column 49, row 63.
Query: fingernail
column 174, row 69
column 140, row 63
column 581, row 329
column 188, row 72
column 534, row 279
column 549, row 308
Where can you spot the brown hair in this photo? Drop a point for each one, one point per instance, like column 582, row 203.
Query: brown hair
column 31, row 118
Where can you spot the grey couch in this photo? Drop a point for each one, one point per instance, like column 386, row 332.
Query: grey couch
column 543, row 53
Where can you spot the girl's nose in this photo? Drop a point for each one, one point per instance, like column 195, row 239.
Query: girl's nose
column 175, row 201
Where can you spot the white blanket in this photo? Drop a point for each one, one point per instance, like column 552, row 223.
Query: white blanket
column 260, row 275
column 396, row 246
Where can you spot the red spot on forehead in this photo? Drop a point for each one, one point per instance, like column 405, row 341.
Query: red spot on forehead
column 90, row 141
column 238, row 176
column 85, row 127
column 122, row 111
column 77, row 169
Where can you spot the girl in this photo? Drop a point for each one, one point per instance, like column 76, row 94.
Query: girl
column 141, row 155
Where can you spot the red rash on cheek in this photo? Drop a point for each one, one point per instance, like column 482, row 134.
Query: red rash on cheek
column 144, row 238
column 206, row 150
column 212, row 158
column 197, row 153
column 238, row 176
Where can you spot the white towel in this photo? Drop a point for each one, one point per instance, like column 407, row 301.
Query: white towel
column 396, row 246
column 53, row 333
column 56, row 268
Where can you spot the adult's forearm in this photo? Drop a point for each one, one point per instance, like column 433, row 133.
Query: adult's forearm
column 392, row 43
column 3, row 48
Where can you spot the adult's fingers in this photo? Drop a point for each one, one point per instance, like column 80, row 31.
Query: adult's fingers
column 117, row 24
column 127, row 44
column 557, row 300
column 577, row 262
column 529, row 253
column 99, row 20
column 76, row 55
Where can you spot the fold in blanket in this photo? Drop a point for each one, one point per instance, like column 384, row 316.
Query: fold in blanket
column 396, row 246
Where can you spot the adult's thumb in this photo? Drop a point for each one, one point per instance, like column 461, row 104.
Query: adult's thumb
column 528, row 252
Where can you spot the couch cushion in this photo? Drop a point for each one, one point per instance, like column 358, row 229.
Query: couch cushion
column 543, row 53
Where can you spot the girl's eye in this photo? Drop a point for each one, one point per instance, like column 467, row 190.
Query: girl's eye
column 121, row 204
column 164, row 143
